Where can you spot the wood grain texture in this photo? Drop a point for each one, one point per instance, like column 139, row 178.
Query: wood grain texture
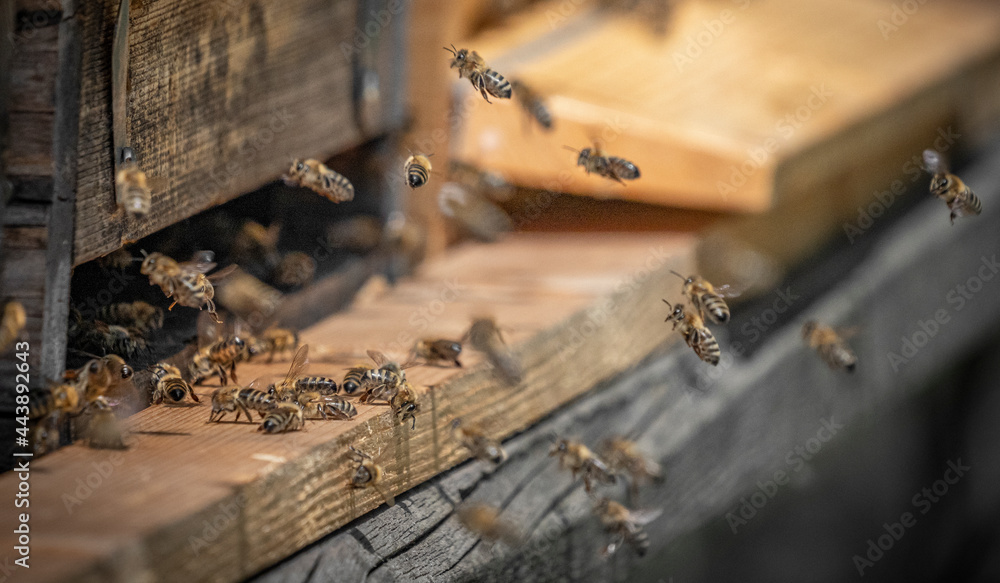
column 715, row 111
column 222, row 95
column 717, row 433
column 578, row 309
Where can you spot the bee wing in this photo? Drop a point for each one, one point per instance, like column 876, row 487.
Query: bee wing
column 730, row 290
column 208, row 330
column 848, row 331
column 201, row 262
column 934, row 162
column 379, row 358
column 223, row 273
column 298, row 363
column 642, row 516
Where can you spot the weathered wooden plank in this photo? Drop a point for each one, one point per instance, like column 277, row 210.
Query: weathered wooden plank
column 221, row 95
column 33, row 78
column 30, row 151
column 33, row 188
column 716, row 432
column 20, row 214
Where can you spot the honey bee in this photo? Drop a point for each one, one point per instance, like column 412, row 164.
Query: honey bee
column 485, row 521
column 578, row 458
column 120, row 259
column 321, row 385
column 368, row 475
column 389, row 374
column 698, row 337
column 132, row 192
column 14, row 319
column 625, row 525
column 168, row 384
column 473, row 213
column 706, row 298
column 286, row 389
column 485, row 336
column 417, row 169
column 400, row 396
column 437, row 351
column 58, row 398
column 485, row 80
column 248, row 297
column 473, row 438
column 186, row 282
column 314, row 175
column 595, row 160
column 283, row 417
column 256, row 244
column 295, row 269
column 98, row 377
column 830, row 345
column 137, row 315
column 217, row 358
column 240, row 399
column 100, row 337
column 314, row 403
column 624, row 458
column 532, row 104
column 962, row 202
column 274, row 341
column 354, row 380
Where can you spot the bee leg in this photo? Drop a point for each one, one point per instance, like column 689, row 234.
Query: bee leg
column 232, row 373
column 172, row 305
column 194, row 397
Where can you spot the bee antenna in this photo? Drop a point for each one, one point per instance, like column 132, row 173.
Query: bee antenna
column 451, row 50
column 571, row 149
column 668, row 304
column 678, row 275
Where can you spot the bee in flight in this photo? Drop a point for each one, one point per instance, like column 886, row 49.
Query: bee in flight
column 475, row 440
column 217, row 358
column 438, row 351
column 274, row 341
column 532, row 103
column 484, row 335
column 707, row 299
column 295, row 269
column 830, row 345
column 578, row 458
column 596, row 161
column 625, row 525
column 417, row 169
column 485, row 80
column 698, row 337
column 485, row 522
column 169, row 385
column 624, row 458
column 314, row 175
column 962, row 202
column 368, row 474
column 14, row 319
column 185, row 283
column 132, row 193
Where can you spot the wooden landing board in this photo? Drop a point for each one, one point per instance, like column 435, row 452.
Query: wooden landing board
column 713, row 111
column 193, row 501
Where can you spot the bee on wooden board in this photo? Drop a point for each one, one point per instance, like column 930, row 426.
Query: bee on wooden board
column 596, row 161
column 132, row 193
column 485, row 80
column 484, row 521
column 417, row 169
column 624, row 458
column 314, row 175
column 236, row 399
column 961, row 201
column 389, row 373
column 274, row 341
column 438, row 351
column 185, row 283
column 295, row 269
column 138, row 315
column 830, row 345
column 475, row 440
column 369, row 475
column 294, row 383
column 625, row 525
column 695, row 333
column 578, row 458
column 532, row 103
column 317, row 404
column 401, row 398
column 354, row 379
column 284, row 417
column 707, row 299
column 484, row 335
column 169, row 385
column 14, row 319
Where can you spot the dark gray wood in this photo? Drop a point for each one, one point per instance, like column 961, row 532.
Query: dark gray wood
column 716, row 431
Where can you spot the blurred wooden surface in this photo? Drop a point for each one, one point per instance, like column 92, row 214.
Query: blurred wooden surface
column 735, row 99
column 577, row 308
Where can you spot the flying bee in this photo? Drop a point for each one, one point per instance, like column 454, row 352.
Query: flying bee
column 120, row 260
column 185, row 283
column 138, row 315
column 481, row 446
column 578, row 458
column 57, row 398
column 532, row 103
column 368, row 475
column 98, row 377
column 962, row 202
column 485, row 80
column 247, row 297
column 132, row 192
column 484, row 335
column 438, row 351
column 485, row 522
column 274, row 341
column 218, row 358
column 295, row 269
column 595, row 160
column 698, row 337
column 625, row 525
column 169, row 385
column 624, row 458
column 283, row 417
column 706, row 298
column 317, row 404
column 831, row 345
column 314, row 175
column 240, row 399
column 14, row 319
column 417, row 169
column 354, row 380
